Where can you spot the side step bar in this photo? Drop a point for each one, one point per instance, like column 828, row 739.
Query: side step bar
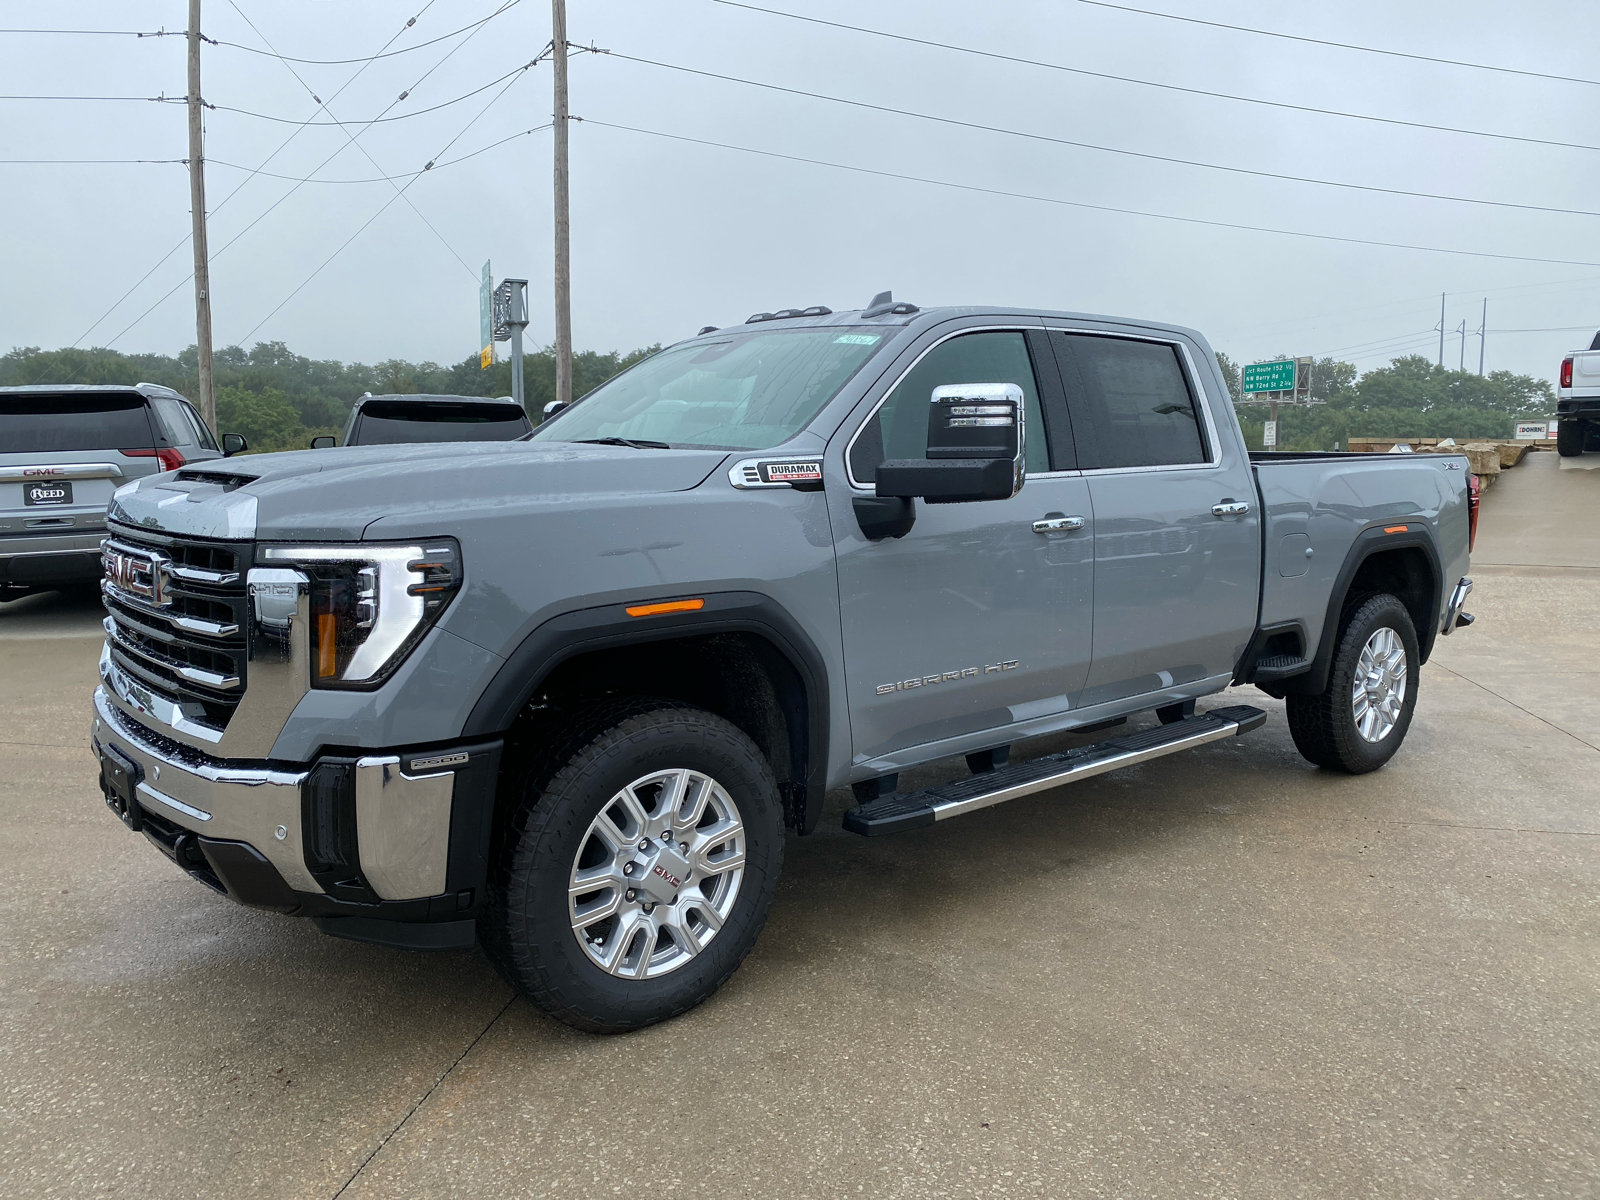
column 892, row 814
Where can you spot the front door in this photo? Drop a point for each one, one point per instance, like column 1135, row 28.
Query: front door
column 1177, row 534
column 974, row 620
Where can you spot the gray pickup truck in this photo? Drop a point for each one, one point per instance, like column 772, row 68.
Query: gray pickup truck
column 561, row 696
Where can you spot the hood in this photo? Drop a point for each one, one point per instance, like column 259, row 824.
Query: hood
column 336, row 493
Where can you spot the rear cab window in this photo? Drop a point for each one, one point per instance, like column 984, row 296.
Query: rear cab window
column 1130, row 402
column 389, row 422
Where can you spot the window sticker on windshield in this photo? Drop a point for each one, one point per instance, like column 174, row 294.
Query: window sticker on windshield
column 858, row 339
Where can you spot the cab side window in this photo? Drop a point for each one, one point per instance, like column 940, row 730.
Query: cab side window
column 899, row 429
column 1130, row 403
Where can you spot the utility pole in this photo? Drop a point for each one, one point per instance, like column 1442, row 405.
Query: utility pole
column 1483, row 328
column 197, row 207
column 563, row 258
column 1441, row 329
column 1462, row 366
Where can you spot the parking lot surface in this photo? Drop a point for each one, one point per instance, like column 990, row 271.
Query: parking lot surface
column 1223, row 973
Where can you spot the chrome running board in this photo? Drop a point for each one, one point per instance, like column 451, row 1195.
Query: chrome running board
column 891, row 814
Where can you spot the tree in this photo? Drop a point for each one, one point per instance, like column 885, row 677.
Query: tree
column 267, row 420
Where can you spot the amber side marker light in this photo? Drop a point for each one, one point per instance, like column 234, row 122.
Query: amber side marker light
column 1395, row 528
column 666, row 606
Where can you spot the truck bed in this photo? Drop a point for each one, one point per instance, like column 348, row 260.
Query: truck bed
column 1317, row 506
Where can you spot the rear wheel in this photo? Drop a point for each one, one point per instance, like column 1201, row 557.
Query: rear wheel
column 1570, row 437
column 1358, row 721
column 637, row 867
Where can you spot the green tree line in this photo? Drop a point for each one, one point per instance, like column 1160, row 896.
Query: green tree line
column 280, row 400
column 1411, row 397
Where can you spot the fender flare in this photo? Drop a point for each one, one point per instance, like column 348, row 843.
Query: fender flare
column 609, row 627
column 1367, row 543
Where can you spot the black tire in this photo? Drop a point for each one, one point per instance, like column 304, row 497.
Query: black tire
column 1570, row 436
column 527, row 929
column 1324, row 726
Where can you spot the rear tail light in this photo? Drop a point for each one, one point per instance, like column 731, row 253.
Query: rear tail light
column 169, row 458
column 1566, row 372
column 1473, row 495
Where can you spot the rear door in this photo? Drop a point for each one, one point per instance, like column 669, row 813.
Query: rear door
column 61, row 457
column 1177, row 534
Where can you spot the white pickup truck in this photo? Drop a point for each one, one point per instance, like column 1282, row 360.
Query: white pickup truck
column 1578, row 402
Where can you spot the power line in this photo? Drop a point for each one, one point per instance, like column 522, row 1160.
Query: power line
column 398, row 194
column 438, row 166
column 1171, row 87
column 375, row 120
column 1059, row 141
column 1294, row 37
column 1134, row 212
column 334, row 62
column 182, row 241
column 351, row 139
column 99, row 162
column 137, row 33
column 107, row 99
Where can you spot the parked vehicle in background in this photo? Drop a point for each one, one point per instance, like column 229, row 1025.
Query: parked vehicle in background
column 63, row 450
column 1578, row 402
column 390, row 420
column 562, row 695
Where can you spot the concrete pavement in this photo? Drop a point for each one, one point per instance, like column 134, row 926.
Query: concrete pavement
column 1223, row 973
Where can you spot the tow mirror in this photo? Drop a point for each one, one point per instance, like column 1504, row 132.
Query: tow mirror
column 976, row 448
column 324, row 442
column 233, row 443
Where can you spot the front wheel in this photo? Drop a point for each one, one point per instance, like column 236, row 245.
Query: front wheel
column 637, row 867
column 1358, row 721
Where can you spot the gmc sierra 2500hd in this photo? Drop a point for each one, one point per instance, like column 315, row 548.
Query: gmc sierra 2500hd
column 561, row 696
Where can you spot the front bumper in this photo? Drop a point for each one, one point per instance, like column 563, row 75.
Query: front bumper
column 366, row 844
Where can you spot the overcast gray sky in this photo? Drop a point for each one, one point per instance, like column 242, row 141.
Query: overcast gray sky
column 670, row 235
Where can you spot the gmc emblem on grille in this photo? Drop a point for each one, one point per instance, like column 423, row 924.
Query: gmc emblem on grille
column 139, row 574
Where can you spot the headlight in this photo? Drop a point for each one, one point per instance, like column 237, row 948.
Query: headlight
column 370, row 604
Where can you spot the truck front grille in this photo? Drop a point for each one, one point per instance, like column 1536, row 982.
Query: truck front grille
column 177, row 618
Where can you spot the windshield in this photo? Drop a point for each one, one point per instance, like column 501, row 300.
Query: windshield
column 387, row 422
column 747, row 391
column 35, row 424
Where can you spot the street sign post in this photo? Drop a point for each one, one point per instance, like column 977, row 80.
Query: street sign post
column 510, row 319
column 486, row 319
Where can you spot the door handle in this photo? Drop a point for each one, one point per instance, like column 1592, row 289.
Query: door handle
column 1230, row 508
column 1057, row 524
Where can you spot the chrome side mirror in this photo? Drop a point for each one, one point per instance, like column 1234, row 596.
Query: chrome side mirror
column 553, row 407
column 977, row 448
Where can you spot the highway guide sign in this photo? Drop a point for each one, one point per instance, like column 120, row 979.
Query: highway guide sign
column 1275, row 376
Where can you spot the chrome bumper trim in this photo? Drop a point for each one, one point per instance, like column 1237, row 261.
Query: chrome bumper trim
column 1452, row 611
column 223, row 800
column 402, row 827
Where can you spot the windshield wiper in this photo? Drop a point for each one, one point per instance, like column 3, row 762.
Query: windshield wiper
column 636, row 443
